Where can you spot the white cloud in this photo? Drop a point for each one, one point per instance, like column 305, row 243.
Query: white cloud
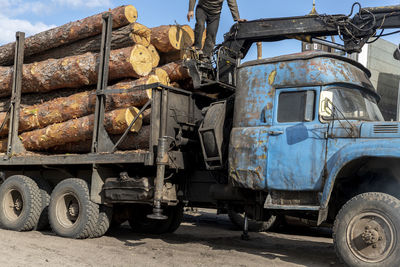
column 8, row 28
column 83, row 3
column 12, row 8
column 12, row 14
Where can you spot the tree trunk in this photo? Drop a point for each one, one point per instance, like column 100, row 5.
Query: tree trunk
column 128, row 35
column 68, row 33
column 155, row 55
column 174, row 56
column 78, row 105
column 81, row 129
column 78, row 71
column 176, row 71
column 133, row 141
column 168, row 38
column 162, row 76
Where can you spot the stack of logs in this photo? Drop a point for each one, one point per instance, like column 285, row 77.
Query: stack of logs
column 60, row 75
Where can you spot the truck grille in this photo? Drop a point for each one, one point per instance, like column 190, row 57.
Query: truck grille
column 386, row 128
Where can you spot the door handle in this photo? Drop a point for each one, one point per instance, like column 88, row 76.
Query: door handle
column 275, row 132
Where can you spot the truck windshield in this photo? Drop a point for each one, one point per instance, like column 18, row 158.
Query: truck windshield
column 355, row 104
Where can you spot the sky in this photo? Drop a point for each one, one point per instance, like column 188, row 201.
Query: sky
column 34, row 16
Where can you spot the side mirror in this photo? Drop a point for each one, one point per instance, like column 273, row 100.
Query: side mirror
column 326, row 104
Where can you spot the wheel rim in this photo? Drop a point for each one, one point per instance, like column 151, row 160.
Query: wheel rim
column 13, row 204
column 68, row 209
column 371, row 236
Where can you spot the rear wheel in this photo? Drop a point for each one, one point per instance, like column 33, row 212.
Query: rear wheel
column 367, row 231
column 141, row 224
column 20, row 203
column 104, row 221
column 269, row 223
column 45, row 192
column 71, row 212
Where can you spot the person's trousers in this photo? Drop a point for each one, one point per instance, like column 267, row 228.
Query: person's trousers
column 202, row 17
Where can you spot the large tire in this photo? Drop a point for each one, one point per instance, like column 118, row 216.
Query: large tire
column 141, row 224
column 104, row 221
column 45, row 192
column 177, row 217
column 71, row 212
column 270, row 223
column 20, row 203
column 366, row 231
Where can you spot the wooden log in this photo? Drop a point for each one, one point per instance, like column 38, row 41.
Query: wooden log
column 146, row 116
column 175, row 84
column 140, row 34
column 68, row 33
column 176, row 71
column 173, row 56
column 128, row 35
column 78, row 71
column 167, row 38
column 78, row 105
column 81, row 129
column 155, row 56
column 162, row 76
column 133, row 141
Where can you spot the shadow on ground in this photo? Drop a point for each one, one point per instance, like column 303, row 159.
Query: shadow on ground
column 297, row 245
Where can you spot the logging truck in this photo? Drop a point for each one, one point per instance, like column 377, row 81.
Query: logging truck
column 298, row 135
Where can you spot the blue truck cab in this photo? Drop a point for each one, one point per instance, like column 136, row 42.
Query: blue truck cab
column 307, row 131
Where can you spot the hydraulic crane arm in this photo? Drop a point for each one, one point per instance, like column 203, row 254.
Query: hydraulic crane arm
column 354, row 30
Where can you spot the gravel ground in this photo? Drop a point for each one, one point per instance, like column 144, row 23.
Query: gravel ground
column 204, row 239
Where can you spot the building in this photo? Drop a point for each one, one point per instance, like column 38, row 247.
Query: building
column 385, row 70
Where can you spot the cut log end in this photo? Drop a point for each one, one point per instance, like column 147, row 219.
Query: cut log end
column 131, row 13
column 130, row 114
column 154, row 55
column 140, row 34
column 162, row 76
column 168, row 38
column 141, row 60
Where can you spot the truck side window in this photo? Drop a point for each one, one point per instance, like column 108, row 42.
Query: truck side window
column 296, row 106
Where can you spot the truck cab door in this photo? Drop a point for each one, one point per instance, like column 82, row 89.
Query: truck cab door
column 296, row 143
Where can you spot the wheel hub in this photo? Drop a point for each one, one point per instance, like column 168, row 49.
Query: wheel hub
column 18, row 204
column 371, row 236
column 73, row 209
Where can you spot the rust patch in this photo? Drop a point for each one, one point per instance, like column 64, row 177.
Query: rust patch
column 271, row 77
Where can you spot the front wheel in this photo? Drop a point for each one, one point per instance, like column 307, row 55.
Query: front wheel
column 367, row 231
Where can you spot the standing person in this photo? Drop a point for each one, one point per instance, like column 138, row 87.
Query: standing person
column 209, row 11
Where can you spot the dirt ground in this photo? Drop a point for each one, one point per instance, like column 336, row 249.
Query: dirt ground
column 204, row 239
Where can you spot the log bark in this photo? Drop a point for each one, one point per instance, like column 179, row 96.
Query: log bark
column 155, row 55
column 68, row 33
column 168, row 38
column 128, row 35
column 78, row 71
column 81, row 129
column 133, row 141
column 176, row 71
column 78, row 105
column 174, row 56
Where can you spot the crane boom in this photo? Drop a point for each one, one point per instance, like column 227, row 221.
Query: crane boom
column 354, row 30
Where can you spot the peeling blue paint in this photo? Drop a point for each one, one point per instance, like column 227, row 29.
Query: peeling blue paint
column 265, row 154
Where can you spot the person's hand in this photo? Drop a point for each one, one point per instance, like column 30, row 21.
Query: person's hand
column 241, row 20
column 190, row 15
